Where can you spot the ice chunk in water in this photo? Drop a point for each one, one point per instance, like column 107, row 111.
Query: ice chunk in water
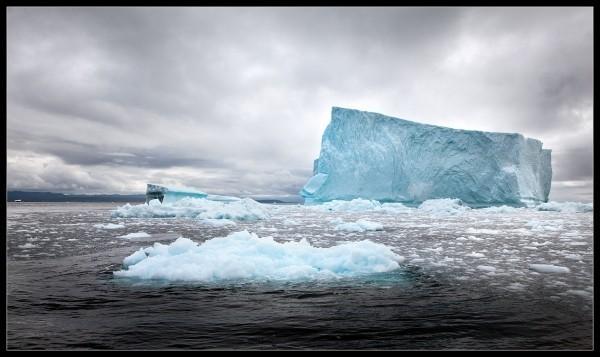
column 245, row 256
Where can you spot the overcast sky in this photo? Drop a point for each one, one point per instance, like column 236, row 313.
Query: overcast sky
column 235, row 100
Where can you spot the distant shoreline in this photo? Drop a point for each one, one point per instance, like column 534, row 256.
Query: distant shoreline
column 32, row 196
column 28, row 196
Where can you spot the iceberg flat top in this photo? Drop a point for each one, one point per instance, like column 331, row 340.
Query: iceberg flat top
column 432, row 126
column 170, row 194
column 174, row 189
column 378, row 157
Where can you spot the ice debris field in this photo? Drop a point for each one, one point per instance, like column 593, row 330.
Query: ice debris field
column 549, row 244
column 201, row 208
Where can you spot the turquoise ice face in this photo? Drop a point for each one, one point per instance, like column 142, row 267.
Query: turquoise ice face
column 373, row 156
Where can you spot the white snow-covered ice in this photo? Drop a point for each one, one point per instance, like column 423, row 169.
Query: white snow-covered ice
column 109, row 226
column 200, row 208
column 27, row 246
column 359, row 226
column 217, row 222
column 568, row 207
column 244, row 255
column 135, row 235
column 444, row 206
column 549, row 268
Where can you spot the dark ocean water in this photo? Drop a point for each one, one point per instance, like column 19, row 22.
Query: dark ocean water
column 61, row 294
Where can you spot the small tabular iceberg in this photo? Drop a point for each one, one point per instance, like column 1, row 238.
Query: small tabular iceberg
column 172, row 194
column 170, row 202
column 377, row 157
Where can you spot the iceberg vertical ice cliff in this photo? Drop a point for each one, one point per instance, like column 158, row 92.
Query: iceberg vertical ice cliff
column 373, row 156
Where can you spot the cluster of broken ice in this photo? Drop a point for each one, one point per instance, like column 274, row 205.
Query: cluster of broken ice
column 360, row 225
column 441, row 206
column 359, row 205
column 135, row 235
column 570, row 207
column 244, row 209
column 245, row 256
column 108, row 226
column 444, row 206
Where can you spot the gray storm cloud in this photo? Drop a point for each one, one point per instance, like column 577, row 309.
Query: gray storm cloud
column 234, row 100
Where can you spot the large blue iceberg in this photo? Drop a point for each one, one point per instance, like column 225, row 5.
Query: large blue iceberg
column 373, row 156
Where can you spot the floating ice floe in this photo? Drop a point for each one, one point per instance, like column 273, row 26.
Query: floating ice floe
column 217, row 222
column 500, row 209
column 27, row 246
column 243, row 209
column 486, row 268
column 573, row 256
column 109, row 226
column 582, row 293
column 548, row 268
column 567, row 207
column 359, row 205
column 537, row 225
column 472, row 230
column 245, row 256
column 444, row 206
column 355, row 205
column 135, row 235
column 395, row 207
column 359, row 226
column 475, row 255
